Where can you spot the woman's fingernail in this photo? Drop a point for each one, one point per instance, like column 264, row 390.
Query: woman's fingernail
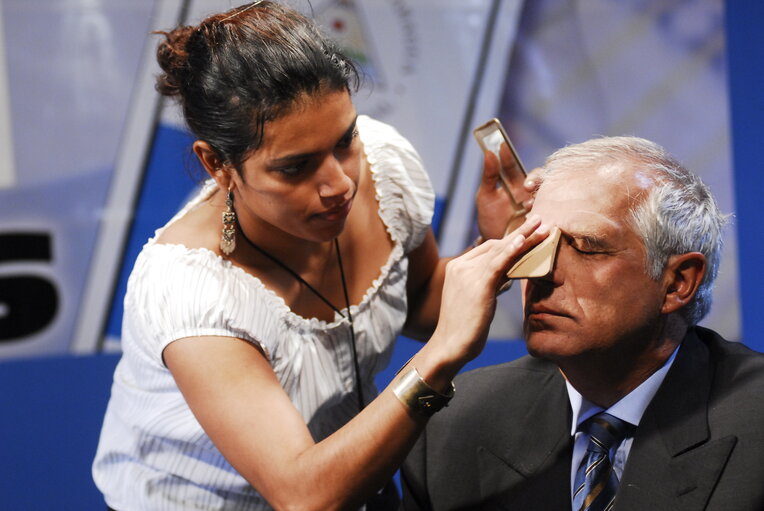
column 542, row 229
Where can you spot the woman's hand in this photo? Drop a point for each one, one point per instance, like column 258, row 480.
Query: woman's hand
column 531, row 184
column 469, row 301
column 427, row 270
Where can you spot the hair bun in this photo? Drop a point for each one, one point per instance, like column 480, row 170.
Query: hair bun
column 172, row 56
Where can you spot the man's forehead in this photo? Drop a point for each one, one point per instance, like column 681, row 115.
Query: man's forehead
column 578, row 218
column 573, row 191
column 587, row 201
column 615, row 181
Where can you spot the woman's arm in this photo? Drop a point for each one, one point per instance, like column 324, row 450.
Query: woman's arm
column 237, row 399
column 424, row 288
column 233, row 392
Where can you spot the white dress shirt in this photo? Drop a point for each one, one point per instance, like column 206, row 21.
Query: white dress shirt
column 629, row 409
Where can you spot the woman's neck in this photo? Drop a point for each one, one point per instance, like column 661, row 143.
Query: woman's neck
column 298, row 254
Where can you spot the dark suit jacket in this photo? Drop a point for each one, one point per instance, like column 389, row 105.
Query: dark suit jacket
column 504, row 442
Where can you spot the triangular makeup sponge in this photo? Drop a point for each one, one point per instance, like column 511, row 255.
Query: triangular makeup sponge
column 539, row 261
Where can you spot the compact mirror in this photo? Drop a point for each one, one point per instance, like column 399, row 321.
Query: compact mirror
column 493, row 139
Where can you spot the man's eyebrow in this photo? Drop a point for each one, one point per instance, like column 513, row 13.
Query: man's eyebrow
column 589, row 240
column 304, row 156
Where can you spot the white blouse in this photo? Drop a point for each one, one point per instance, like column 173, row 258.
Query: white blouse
column 153, row 454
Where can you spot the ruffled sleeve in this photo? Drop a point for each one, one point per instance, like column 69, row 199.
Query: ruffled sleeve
column 404, row 191
column 190, row 293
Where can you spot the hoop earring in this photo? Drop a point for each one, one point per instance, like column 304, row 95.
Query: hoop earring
column 228, row 238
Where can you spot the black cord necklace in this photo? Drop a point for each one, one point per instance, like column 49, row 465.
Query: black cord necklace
column 323, row 299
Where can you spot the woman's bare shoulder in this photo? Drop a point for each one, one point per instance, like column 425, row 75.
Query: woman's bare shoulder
column 197, row 228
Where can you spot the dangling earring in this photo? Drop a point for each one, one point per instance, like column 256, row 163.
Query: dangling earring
column 228, row 239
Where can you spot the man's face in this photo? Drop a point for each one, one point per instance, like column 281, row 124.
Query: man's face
column 598, row 299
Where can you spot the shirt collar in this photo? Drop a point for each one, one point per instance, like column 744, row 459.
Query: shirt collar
column 630, row 408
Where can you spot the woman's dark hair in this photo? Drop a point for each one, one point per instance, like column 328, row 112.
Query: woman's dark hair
column 237, row 70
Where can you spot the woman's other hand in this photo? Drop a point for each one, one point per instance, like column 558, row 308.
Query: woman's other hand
column 494, row 205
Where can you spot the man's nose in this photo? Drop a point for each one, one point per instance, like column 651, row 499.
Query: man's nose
column 555, row 276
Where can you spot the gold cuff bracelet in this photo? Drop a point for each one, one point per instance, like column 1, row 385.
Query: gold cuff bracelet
column 413, row 391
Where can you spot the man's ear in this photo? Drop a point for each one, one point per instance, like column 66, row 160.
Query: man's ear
column 683, row 274
column 212, row 164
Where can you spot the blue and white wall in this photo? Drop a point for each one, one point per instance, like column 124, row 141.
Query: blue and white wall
column 91, row 162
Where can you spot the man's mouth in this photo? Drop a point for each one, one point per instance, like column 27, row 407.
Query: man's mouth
column 539, row 310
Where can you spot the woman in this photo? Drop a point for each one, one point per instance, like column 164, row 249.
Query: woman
column 247, row 375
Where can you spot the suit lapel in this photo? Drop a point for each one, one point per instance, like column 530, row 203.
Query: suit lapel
column 672, row 463
column 526, row 464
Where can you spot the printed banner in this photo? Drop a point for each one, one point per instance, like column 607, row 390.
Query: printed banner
column 67, row 71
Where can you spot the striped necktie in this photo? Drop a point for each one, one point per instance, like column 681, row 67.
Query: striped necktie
column 596, row 482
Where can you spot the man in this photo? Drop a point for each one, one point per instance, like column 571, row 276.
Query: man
column 611, row 329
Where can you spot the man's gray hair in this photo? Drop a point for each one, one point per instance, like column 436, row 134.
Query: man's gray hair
column 678, row 215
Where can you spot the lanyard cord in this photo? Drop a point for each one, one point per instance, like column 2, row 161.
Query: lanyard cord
column 297, row 276
column 361, row 404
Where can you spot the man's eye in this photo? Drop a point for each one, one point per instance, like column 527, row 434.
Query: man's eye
column 583, row 249
column 591, row 251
